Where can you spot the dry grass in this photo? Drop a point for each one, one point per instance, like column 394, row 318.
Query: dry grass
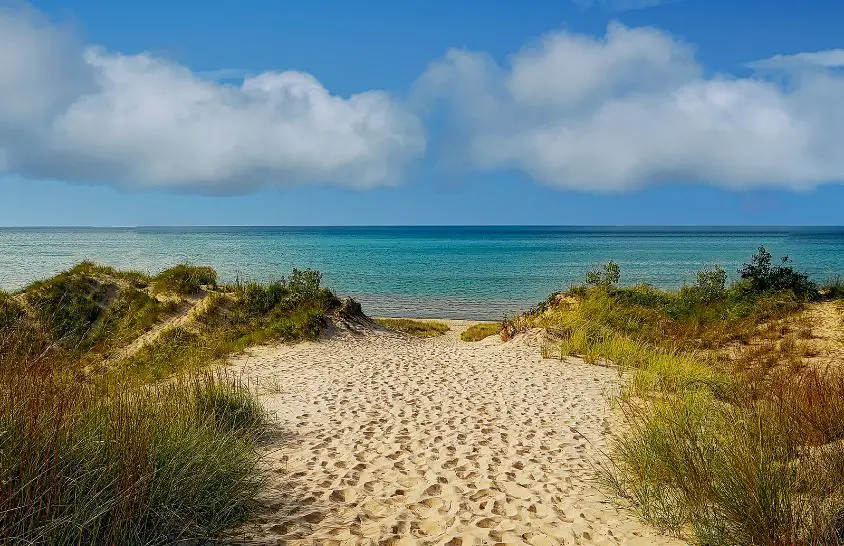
column 418, row 328
column 481, row 331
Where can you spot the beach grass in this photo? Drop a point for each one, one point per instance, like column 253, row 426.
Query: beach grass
column 731, row 432
column 418, row 328
column 151, row 448
column 480, row 331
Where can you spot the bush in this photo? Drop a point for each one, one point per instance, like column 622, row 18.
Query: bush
column 607, row 275
column 185, row 279
column 710, row 286
column 763, row 277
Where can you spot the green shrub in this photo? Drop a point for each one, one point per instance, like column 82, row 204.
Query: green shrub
column 607, row 275
column 185, row 279
column 764, row 277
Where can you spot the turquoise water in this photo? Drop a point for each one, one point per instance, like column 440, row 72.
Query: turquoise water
column 451, row 272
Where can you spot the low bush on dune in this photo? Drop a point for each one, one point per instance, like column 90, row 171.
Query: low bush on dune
column 729, row 436
column 478, row 332
column 108, row 454
column 184, row 279
column 418, row 328
column 290, row 309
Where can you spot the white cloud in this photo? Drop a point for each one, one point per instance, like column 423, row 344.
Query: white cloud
column 833, row 58
column 633, row 108
column 82, row 113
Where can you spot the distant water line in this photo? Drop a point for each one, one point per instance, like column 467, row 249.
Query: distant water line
column 451, row 272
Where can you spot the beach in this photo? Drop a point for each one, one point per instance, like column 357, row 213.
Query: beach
column 384, row 438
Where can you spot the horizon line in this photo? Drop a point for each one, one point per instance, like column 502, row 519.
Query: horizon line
column 312, row 226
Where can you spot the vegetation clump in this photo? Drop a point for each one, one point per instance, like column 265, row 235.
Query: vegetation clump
column 480, row 331
column 418, row 328
column 730, row 435
column 185, row 279
column 107, row 454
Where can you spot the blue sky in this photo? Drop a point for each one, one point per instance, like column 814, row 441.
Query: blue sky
column 315, row 113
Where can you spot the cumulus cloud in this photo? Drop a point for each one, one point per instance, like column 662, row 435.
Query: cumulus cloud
column 76, row 112
column 634, row 108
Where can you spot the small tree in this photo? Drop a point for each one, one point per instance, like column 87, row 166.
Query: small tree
column 712, row 283
column 607, row 275
column 764, row 277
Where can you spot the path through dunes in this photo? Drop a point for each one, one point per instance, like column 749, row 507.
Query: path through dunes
column 397, row 440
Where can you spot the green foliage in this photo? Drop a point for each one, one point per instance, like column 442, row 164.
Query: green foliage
column 11, row 311
column 418, row 328
column 716, row 449
column 477, row 332
column 719, row 474
column 83, row 465
column 710, row 286
column 131, row 313
column 763, row 277
column 286, row 293
column 833, row 288
column 607, row 275
column 184, row 279
column 231, row 409
column 69, row 304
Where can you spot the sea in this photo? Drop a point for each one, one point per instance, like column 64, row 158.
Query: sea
column 459, row 272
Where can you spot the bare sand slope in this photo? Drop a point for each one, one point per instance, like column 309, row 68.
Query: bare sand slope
column 396, row 440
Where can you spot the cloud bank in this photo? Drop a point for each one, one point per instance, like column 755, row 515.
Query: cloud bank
column 634, row 108
column 613, row 113
column 76, row 112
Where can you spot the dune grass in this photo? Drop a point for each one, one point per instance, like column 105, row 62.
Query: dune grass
column 480, row 331
column 184, row 279
column 418, row 328
column 81, row 464
column 728, row 435
column 111, row 454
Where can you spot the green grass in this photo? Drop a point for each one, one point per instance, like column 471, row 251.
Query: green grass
column 721, row 447
column 85, row 465
column 481, row 331
column 113, row 454
column 418, row 328
column 184, row 279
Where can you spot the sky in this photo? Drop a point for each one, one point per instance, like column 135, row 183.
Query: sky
column 564, row 112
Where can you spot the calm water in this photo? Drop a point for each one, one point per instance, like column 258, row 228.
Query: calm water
column 452, row 272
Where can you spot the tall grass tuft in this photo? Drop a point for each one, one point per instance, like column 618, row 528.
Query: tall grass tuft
column 92, row 465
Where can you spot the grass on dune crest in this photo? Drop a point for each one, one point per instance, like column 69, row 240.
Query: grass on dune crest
column 418, row 328
column 110, row 454
column 730, row 433
column 483, row 330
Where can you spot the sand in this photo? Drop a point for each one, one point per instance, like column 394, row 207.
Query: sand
column 389, row 439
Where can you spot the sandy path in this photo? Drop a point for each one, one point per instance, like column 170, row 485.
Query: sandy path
column 396, row 440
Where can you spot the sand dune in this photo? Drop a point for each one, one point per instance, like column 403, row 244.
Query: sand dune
column 396, row 440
